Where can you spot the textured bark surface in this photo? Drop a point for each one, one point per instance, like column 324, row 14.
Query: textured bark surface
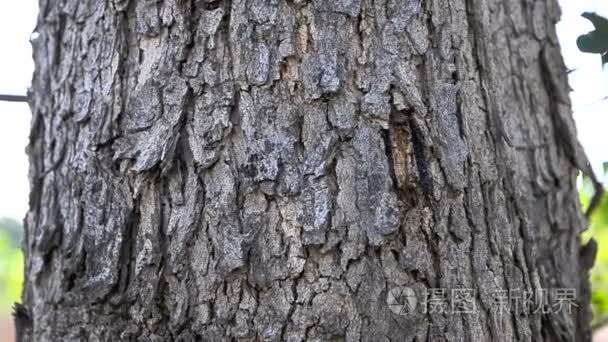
column 267, row 170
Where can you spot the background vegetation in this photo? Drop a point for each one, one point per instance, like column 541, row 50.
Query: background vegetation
column 598, row 229
column 11, row 264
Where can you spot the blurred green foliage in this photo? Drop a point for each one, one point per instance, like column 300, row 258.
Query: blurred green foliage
column 11, row 264
column 598, row 229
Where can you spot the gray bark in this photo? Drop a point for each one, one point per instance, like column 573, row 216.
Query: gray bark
column 267, row 170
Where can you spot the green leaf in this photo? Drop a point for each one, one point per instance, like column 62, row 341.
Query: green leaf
column 600, row 23
column 593, row 42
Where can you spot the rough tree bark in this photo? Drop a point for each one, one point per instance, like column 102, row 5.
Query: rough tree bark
column 267, row 170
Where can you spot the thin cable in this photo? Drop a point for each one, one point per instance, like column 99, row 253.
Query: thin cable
column 13, row 98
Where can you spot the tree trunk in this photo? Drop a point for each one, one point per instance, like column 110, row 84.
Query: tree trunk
column 267, row 170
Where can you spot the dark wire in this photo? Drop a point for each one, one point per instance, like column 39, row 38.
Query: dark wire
column 13, row 98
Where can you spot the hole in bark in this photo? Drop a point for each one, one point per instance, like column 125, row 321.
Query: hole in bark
column 395, row 254
column 424, row 176
column 388, row 150
column 212, row 5
column 459, row 116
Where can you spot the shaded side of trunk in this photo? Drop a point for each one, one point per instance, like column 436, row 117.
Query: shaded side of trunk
column 270, row 170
